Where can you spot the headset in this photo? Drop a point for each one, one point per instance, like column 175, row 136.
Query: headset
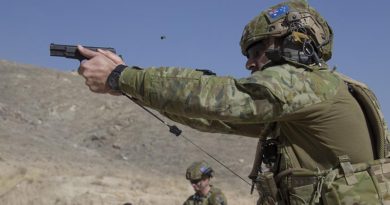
column 206, row 171
column 297, row 45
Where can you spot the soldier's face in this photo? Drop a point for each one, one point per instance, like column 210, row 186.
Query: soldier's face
column 256, row 55
column 200, row 185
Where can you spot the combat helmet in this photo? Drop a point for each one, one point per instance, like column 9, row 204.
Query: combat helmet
column 294, row 17
column 197, row 170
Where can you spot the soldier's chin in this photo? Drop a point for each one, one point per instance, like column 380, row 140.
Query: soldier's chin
column 253, row 71
column 197, row 190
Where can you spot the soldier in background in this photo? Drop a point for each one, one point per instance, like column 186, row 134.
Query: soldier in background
column 199, row 174
column 321, row 134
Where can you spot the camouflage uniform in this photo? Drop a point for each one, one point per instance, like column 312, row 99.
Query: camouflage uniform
column 214, row 197
column 310, row 108
column 198, row 171
column 313, row 108
column 318, row 118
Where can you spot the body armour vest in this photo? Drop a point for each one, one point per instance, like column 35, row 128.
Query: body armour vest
column 331, row 134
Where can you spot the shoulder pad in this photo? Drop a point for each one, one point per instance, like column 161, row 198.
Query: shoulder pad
column 350, row 80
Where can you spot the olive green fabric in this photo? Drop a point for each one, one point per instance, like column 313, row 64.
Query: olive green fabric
column 374, row 116
column 214, row 197
column 318, row 118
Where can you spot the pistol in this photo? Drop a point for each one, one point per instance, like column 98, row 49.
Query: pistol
column 71, row 51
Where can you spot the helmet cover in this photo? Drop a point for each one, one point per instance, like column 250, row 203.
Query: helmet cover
column 285, row 18
column 197, row 170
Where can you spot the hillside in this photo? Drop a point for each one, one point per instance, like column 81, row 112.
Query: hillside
column 61, row 144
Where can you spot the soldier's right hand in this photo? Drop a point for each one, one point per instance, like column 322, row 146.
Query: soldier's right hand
column 97, row 68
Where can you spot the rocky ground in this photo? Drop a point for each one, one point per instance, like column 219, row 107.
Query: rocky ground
column 61, row 144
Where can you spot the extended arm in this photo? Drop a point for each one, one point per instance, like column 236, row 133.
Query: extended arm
column 204, row 102
column 190, row 93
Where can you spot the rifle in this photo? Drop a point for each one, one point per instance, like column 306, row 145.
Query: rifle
column 71, row 51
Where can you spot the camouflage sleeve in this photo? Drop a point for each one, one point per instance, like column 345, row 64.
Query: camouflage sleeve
column 187, row 202
column 218, row 126
column 218, row 198
column 190, row 201
column 190, row 94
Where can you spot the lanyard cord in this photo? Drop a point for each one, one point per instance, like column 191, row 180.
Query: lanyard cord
column 177, row 132
column 204, row 151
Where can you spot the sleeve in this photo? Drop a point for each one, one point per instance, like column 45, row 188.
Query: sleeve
column 218, row 126
column 218, row 198
column 189, row 96
column 189, row 201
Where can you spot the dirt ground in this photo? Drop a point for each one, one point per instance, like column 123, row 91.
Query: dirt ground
column 61, row 144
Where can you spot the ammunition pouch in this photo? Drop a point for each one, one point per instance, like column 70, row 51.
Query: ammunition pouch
column 364, row 183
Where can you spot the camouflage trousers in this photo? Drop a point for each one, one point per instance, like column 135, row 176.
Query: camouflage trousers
column 363, row 183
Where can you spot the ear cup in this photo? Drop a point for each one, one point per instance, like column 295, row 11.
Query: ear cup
column 208, row 172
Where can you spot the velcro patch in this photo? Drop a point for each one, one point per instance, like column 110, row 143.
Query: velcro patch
column 277, row 12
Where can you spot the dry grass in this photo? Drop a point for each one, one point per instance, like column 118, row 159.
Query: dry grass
column 60, row 144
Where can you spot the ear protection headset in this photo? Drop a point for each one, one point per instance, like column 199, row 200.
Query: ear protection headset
column 206, row 171
column 296, row 46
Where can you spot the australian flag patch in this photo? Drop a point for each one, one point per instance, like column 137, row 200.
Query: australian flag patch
column 277, row 12
column 203, row 169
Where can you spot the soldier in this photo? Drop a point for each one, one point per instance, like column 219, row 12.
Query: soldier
column 199, row 174
column 321, row 134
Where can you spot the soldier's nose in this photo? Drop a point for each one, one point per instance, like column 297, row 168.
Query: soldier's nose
column 250, row 64
column 252, row 68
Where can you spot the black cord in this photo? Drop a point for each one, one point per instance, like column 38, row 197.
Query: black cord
column 176, row 131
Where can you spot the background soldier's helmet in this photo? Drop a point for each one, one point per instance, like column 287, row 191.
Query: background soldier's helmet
column 286, row 18
column 197, row 170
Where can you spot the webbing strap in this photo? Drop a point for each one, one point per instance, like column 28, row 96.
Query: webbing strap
column 346, row 166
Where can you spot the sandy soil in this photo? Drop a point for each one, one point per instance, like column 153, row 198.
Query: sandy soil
column 60, row 144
